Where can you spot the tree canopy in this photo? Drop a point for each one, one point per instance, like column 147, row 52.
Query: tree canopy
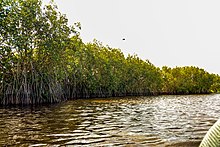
column 44, row 60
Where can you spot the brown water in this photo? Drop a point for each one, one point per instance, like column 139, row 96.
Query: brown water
column 133, row 121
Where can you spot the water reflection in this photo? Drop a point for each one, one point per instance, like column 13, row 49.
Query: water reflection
column 136, row 121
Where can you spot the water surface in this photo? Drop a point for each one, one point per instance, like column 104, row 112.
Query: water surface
column 132, row 121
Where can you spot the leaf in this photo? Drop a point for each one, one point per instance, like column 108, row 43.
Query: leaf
column 212, row 137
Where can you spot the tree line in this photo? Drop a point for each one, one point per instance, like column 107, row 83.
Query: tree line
column 44, row 60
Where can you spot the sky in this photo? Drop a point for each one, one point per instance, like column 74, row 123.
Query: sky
column 166, row 32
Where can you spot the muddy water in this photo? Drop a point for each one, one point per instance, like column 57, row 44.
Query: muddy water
column 132, row 121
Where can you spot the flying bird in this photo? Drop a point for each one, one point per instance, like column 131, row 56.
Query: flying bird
column 123, row 39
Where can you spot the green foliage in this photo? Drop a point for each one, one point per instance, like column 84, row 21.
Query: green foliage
column 187, row 80
column 32, row 43
column 44, row 60
column 215, row 87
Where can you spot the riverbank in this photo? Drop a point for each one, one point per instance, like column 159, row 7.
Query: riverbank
column 44, row 60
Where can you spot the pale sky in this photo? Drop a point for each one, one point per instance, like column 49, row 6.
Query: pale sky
column 167, row 32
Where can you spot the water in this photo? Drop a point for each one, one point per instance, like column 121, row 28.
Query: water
column 133, row 121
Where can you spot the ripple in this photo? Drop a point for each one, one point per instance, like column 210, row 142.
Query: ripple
column 36, row 145
column 136, row 121
column 84, row 141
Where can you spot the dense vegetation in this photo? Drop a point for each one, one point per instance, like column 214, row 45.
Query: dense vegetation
column 43, row 60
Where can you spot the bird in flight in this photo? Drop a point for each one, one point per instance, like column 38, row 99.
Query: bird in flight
column 123, row 39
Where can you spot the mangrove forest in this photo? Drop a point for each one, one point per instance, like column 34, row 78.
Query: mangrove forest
column 44, row 60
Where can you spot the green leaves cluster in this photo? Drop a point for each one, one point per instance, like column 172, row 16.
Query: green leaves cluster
column 44, row 60
column 32, row 41
column 188, row 80
column 95, row 70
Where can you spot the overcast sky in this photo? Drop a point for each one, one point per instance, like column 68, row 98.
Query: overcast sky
column 167, row 32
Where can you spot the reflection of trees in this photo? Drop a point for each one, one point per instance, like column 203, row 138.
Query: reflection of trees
column 32, row 126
